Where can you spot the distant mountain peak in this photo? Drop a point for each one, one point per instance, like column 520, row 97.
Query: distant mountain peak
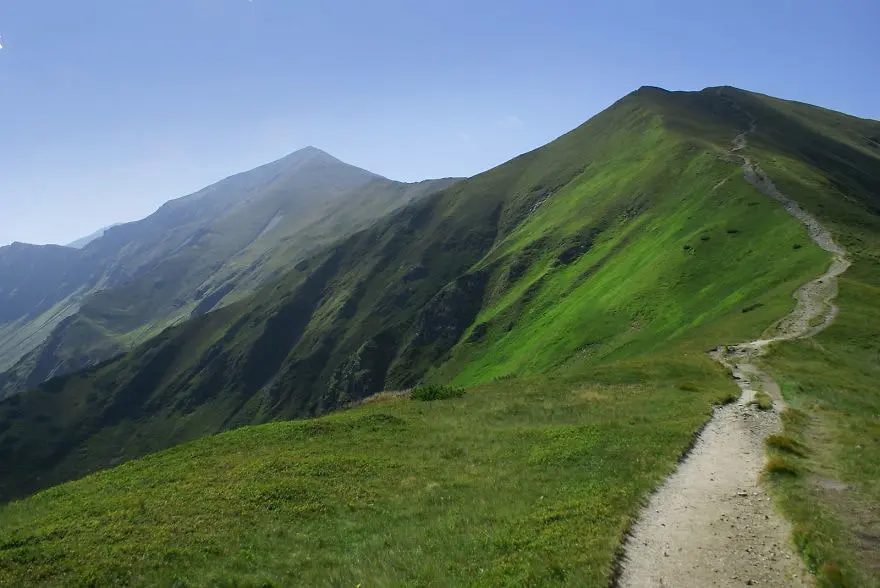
column 312, row 149
column 647, row 89
column 312, row 154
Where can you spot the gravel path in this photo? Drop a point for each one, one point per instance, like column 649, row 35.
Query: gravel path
column 712, row 523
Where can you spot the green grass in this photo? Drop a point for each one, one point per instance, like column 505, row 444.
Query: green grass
column 785, row 444
column 831, row 384
column 778, row 466
column 636, row 289
column 431, row 392
column 521, row 482
column 762, row 401
column 830, row 381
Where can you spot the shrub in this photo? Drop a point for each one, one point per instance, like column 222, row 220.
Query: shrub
column 786, row 444
column 780, row 467
column 762, row 401
column 730, row 398
column 436, row 392
column 831, row 575
column 793, row 417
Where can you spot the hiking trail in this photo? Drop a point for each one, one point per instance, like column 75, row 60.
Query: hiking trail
column 712, row 523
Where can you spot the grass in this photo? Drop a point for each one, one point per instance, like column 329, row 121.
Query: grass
column 780, row 467
column 762, row 400
column 830, row 383
column 785, row 444
column 436, row 392
column 635, row 289
column 521, row 482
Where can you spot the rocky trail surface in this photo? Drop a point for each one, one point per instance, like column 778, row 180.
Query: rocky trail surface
column 712, row 523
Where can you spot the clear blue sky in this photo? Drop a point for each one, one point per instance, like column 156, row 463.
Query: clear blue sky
column 109, row 108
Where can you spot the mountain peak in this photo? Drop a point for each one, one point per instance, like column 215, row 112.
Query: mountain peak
column 311, row 152
column 312, row 157
column 311, row 149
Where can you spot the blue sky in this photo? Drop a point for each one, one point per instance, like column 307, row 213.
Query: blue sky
column 109, row 108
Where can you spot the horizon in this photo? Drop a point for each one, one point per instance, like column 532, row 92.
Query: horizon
column 326, row 152
column 109, row 124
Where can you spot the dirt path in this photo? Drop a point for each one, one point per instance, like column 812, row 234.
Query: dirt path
column 712, row 523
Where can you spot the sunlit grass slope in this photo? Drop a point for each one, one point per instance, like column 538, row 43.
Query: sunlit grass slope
column 521, row 482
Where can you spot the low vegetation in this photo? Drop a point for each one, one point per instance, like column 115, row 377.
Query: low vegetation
column 436, row 392
column 522, row 482
column 832, row 434
column 785, row 444
column 762, row 400
column 781, row 467
column 830, row 385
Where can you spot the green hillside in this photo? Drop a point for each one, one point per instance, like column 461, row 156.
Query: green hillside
column 573, row 291
column 194, row 254
column 35, row 282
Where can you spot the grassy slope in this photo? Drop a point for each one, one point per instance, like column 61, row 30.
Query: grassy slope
column 526, row 482
column 830, row 381
column 536, row 477
column 225, row 260
column 831, row 386
column 39, row 286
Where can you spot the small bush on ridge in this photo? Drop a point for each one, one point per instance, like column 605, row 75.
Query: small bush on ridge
column 436, row 392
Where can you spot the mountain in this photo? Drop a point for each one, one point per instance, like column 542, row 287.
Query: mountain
column 193, row 254
column 34, row 281
column 572, row 292
column 631, row 231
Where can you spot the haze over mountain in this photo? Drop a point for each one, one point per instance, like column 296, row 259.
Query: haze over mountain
column 66, row 308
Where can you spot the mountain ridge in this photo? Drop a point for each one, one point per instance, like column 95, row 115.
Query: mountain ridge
column 484, row 279
column 195, row 238
column 558, row 307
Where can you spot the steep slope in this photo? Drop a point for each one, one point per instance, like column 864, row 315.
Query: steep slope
column 191, row 254
column 127, row 250
column 718, row 485
column 33, row 281
column 616, row 255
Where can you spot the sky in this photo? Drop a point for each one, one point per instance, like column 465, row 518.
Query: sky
column 108, row 108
